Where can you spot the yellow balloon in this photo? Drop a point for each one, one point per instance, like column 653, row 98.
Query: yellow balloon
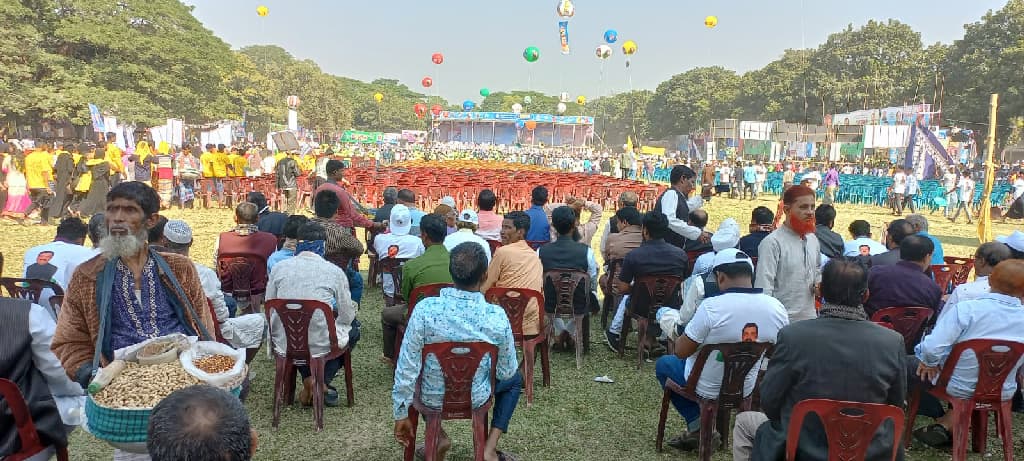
column 711, row 21
column 629, row 47
column 378, row 97
column 582, row 100
column 262, row 10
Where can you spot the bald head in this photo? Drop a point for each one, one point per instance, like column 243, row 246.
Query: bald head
column 247, row 213
column 1008, row 278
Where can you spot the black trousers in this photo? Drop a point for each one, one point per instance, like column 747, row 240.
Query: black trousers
column 40, row 200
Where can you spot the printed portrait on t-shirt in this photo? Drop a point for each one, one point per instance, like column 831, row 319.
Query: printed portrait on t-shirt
column 865, row 250
column 42, row 269
column 749, row 334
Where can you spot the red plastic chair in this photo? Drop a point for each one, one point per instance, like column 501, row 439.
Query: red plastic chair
column 393, row 267
column 737, row 361
column 995, row 365
column 944, row 274
column 459, row 363
column 30, row 289
column 515, row 302
column 565, row 283
column 31, row 444
column 691, row 260
column 610, row 302
column 417, row 294
column 244, row 277
column 907, row 321
column 295, row 315
column 494, row 244
column 849, row 426
column 649, row 292
column 964, row 272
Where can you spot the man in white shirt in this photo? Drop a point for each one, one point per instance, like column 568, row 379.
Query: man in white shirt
column 57, row 260
column 788, row 264
column 397, row 243
column 862, row 243
column 949, row 186
column 739, row 314
column 674, row 204
column 467, row 223
column 911, row 191
column 986, row 257
column 899, row 187
column 966, row 192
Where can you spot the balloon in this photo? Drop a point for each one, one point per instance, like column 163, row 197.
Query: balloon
column 262, row 11
column 561, row 107
column 435, row 109
column 629, row 48
column 603, row 51
column 531, row 54
column 517, row 108
column 485, row 92
column 565, row 9
column 420, row 109
column 711, row 21
column 520, row 124
column 438, row 58
column 427, row 82
column 528, row 99
column 530, row 125
column 468, row 105
column 563, row 97
column 378, row 97
column 611, row 36
column 582, row 100
column 293, row 101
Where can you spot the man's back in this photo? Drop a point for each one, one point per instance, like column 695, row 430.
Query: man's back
column 259, row 244
column 836, row 359
column 903, row 284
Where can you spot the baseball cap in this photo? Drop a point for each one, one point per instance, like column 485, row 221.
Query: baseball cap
column 401, row 220
column 729, row 256
column 178, row 231
column 448, row 200
column 469, row 216
column 1014, row 240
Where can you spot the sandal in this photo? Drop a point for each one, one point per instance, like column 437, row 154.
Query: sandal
column 506, row 456
column 935, row 436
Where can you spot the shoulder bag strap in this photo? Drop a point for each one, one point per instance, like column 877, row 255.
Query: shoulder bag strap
column 165, row 269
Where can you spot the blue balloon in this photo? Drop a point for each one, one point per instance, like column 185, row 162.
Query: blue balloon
column 468, row 105
column 520, row 124
column 611, row 36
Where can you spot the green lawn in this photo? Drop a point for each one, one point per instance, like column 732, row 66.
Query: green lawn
column 574, row 419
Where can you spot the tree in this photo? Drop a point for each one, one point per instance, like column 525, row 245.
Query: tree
column 778, row 91
column 621, row 115
column 688, row 102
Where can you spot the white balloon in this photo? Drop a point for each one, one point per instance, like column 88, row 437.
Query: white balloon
column 563, row 97
column 517, row 108
column 603, row 51
column 561, row 107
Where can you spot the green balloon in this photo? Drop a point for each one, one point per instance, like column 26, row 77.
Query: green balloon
column 485, row 92
column 531, row 54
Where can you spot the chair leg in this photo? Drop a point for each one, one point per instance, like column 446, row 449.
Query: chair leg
column 979, row 430
column 545, row 362
column 961, row 429
column 627, row 324
column 349, row 385
column 479, row 434
column 662, row 417
column 708, row 418
column 279, row 377
column 579, row 341
column 1004, row 418
column 912, row 406
column 641, row 341
column 414, row 418
column 528, row 365
column 433, row 437
column 316, row 370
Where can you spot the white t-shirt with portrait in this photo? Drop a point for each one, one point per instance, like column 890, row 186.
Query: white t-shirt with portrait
column 899, row 182
column 399, row 247
column 734, row 316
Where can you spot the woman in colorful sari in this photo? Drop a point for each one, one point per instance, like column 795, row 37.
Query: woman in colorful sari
column 17, row 187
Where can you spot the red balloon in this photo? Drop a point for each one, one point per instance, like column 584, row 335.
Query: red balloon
column 419, row 108
column 435, row 109
column 531, row 125
column 438, row 58
column 427, row 82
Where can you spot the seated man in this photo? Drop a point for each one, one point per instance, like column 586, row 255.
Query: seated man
column 996, row 315
column 269, row 221
column 540, row 227
column 862, row 243
column 200, row 422
column 566, row 253
column 698, row 218
column 898, row 230
column 653, row 256
column 341, row 245
column 702, row 284
column 516, row 265
column 390, row 197
column 817, row 359
column 408, row 198
column 291, row 280
column 760, row 226
column 27, row 330
column 628, row 237
column 291, row 236
column 905, row 283
column 627, row 199
column 831, row 243
column 430, row 267
column 245, row 239
column 467, row 222
column 490, row 222
column 986, row 258
column 920, row 224
column 460, row 314
column 740, row 313
column 397, row 243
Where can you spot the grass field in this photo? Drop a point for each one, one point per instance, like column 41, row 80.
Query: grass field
column 574, row 419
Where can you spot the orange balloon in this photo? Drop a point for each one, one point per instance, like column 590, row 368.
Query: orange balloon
column 531, row 125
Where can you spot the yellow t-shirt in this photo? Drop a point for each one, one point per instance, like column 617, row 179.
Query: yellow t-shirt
column 238, row 165
column 113, row 156
column 220, row 165
column 38, row 170
column 206, row 160
column 278, row 156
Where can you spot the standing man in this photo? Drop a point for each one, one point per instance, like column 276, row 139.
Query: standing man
column 911, row 191
column 673, row 204
column 749, row 180
column 540, row 228
column 113, row 156
column 38, row 177
column 286, row 174
column 831, row 184
column 64, row 173
column 965, row 189
column 949, row 186
column 626, row 164
column 347, row 215
column 899, row 188
column 789, row 258
column 707, row 181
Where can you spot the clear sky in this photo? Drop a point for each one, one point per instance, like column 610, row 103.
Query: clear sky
column 483, row 40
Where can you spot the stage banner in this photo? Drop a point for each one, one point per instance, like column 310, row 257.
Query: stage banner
column 925, row 153
column 97, row 119
column 563, row 35
column 361, row 136
column 512, row 117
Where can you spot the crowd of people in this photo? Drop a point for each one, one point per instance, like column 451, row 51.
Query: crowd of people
column 791, row 281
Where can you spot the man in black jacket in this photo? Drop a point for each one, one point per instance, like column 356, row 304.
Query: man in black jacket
column 841, row 355
column 831, row 243
column 898, row 230
column 287, row 174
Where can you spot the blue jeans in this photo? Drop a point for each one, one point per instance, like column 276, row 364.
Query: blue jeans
column 332, row 366
column 506, row 397
column 355, row 284
column 670, row 366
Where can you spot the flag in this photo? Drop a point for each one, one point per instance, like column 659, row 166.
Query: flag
column 629, row 144
column 563, row 36
column 97, row 118
column 925, row 153
column 985, row 220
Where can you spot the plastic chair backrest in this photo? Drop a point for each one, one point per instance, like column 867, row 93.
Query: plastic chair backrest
column 963, row 272
column 494, row 244
column 295, row 316
column 907, row 321
column 614, row 268
column 944, row 274
column 515, row 301
column 459, row 362
column 393, row 266
column 56, row 301
column 15, row 402
column 430, row 290
column 30, row 289
column 565, row 283
column 652, row 291
column 993, row 366
column 737, row 361
column 240, row 274
column 849, row 426
column 691, row 260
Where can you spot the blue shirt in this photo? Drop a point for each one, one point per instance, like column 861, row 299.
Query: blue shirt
column 937, row 256
column 749, row 174
column 455, row 316
column 540, row 229
column 278, row 256
column 992, row 316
